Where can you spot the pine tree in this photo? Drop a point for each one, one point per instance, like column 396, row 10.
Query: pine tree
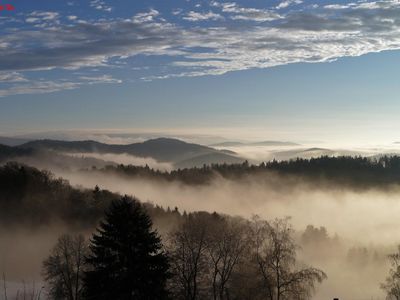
column 126, row 260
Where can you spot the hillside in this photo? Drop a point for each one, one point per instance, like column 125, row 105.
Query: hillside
column 176, row 152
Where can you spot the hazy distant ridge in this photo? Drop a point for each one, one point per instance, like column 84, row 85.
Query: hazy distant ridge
column 169, row 150
column 262, row 143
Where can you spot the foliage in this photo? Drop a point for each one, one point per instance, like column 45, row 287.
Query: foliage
column 126, row 259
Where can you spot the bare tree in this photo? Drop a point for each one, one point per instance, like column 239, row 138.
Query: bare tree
column 392, row 283
column 226, row 243
column 64, row 267
column 275, row 255
column 186, row 250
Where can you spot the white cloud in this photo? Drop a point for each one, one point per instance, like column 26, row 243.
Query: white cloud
column 100, row 5
column 24, row 86
column 100, row 79
column 43, row 17
column 244, row 13
column 287, row 3
column 146, row 17
column 336, row 6
column 309, row 36
column 72, row 18
column 12, row 77
column 197, row 16
column 177, row 11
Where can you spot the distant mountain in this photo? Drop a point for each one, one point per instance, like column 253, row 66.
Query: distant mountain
column 262, row 143
column 11, row 141
column 74, row 146
column 311, row 153
column 161, row 149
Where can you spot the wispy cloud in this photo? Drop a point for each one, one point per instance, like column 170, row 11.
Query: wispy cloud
column 43, row 18
column 49, row 86
column 199, row 16
column 145, row 16
column 100, row 5
column 12, row 77
column 245, row 13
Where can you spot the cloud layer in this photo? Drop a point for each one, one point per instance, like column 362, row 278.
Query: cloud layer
column 212, row 40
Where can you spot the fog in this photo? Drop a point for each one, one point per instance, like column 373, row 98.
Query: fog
column 126, row 159
column 354, row 220
column 359, row 219
column 257, row 154
column 22, row 251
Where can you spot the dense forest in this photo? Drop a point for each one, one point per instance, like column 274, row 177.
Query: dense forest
column 30, row 197
column 357, row 172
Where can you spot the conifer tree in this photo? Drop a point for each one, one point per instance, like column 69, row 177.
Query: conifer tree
column 126, row 260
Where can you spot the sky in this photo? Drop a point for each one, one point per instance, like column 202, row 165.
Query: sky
column 256, row 69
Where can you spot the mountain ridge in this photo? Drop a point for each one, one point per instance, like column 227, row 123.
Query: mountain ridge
column 161, row 149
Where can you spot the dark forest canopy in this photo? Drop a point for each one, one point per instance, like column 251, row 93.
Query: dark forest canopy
column 30, row 197
column 357, row 172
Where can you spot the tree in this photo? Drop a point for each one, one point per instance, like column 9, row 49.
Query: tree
column 226, row 244
column 204, row 252
column 63, row 269
column 275, row 256
column 392, row 283
column 186, row 251
column 126, row 259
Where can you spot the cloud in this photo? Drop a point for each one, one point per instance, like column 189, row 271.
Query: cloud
column 287, row 3
column 100, row 5
column 177, row 11
column 243, row 13
column 196, row 16
column 49, row 86
column 45, row 15
column 42, row 18
column 12, row 77
column 146, row 16
column 250, row 38
column 38, row 87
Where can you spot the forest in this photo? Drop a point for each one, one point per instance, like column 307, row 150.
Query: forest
column 355, row 172
column 103, row 236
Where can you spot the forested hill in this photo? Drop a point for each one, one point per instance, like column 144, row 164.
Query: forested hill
column 31, row 198
column 358, row 172
column 160, row 149
column 175, row 152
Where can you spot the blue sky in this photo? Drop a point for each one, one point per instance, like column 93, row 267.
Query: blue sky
column 298, row 70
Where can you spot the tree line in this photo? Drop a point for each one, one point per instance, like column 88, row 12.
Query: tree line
column 348, row 171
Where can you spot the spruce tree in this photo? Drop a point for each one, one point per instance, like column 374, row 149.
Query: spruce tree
column 126, row 260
